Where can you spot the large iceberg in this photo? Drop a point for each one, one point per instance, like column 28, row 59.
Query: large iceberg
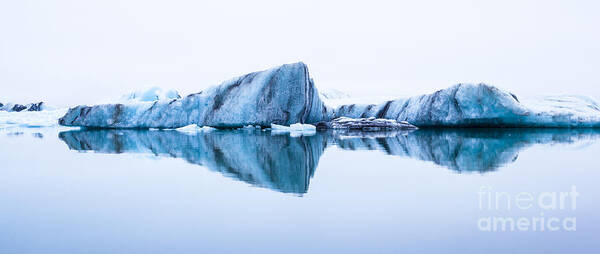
column 283, row 95
column 286, row 95
column 481, row 105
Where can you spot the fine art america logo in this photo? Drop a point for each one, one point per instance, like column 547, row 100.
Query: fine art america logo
column 543, row 205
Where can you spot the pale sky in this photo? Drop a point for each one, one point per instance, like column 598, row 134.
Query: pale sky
column 80, row 52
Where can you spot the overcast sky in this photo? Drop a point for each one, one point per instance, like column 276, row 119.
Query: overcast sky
column 73, row 52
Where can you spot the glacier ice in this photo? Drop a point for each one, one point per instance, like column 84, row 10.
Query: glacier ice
column 283, row 95
column 14, row 107
column 286, row 95
column 294, row 127
column 365, row 124
column 481, row 105
column 295, row 130
column 194, row 128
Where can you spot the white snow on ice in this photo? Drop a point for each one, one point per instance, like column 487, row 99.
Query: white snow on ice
column 295, row 130
column 566, row 104
column 194, row 128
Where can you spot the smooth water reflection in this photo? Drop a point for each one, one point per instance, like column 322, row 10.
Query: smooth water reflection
column 278, row 162
column 286, row 164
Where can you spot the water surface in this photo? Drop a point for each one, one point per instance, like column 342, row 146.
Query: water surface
column 126, row 191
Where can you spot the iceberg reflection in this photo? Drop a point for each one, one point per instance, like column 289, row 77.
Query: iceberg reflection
column 465, row 150
column 286, row 164
column 277, row 162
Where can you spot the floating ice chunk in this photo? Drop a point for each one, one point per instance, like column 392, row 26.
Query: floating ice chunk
column 302, row 127
column 194, row 128
column 294, row 127
column 250, row 127
column 14, row 107
column 294, row 130
column 366, row 124
column 481, row 105
column 279, row 127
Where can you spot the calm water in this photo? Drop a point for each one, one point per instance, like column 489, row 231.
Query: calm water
column 123, row 191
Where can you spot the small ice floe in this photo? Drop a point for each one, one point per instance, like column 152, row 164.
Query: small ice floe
column 365, row 124
column 295, row 130
column 194, row 128
column 250, row 127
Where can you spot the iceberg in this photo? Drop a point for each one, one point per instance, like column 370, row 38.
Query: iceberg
column 295, row 130
column 283, row 95
column 194, row 128
column 365, row 124
column 286, row 95
column 10, row 107
column 293, row 127
column 481, row 105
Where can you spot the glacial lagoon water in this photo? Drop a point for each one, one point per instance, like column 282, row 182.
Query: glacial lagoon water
column 251, row 191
